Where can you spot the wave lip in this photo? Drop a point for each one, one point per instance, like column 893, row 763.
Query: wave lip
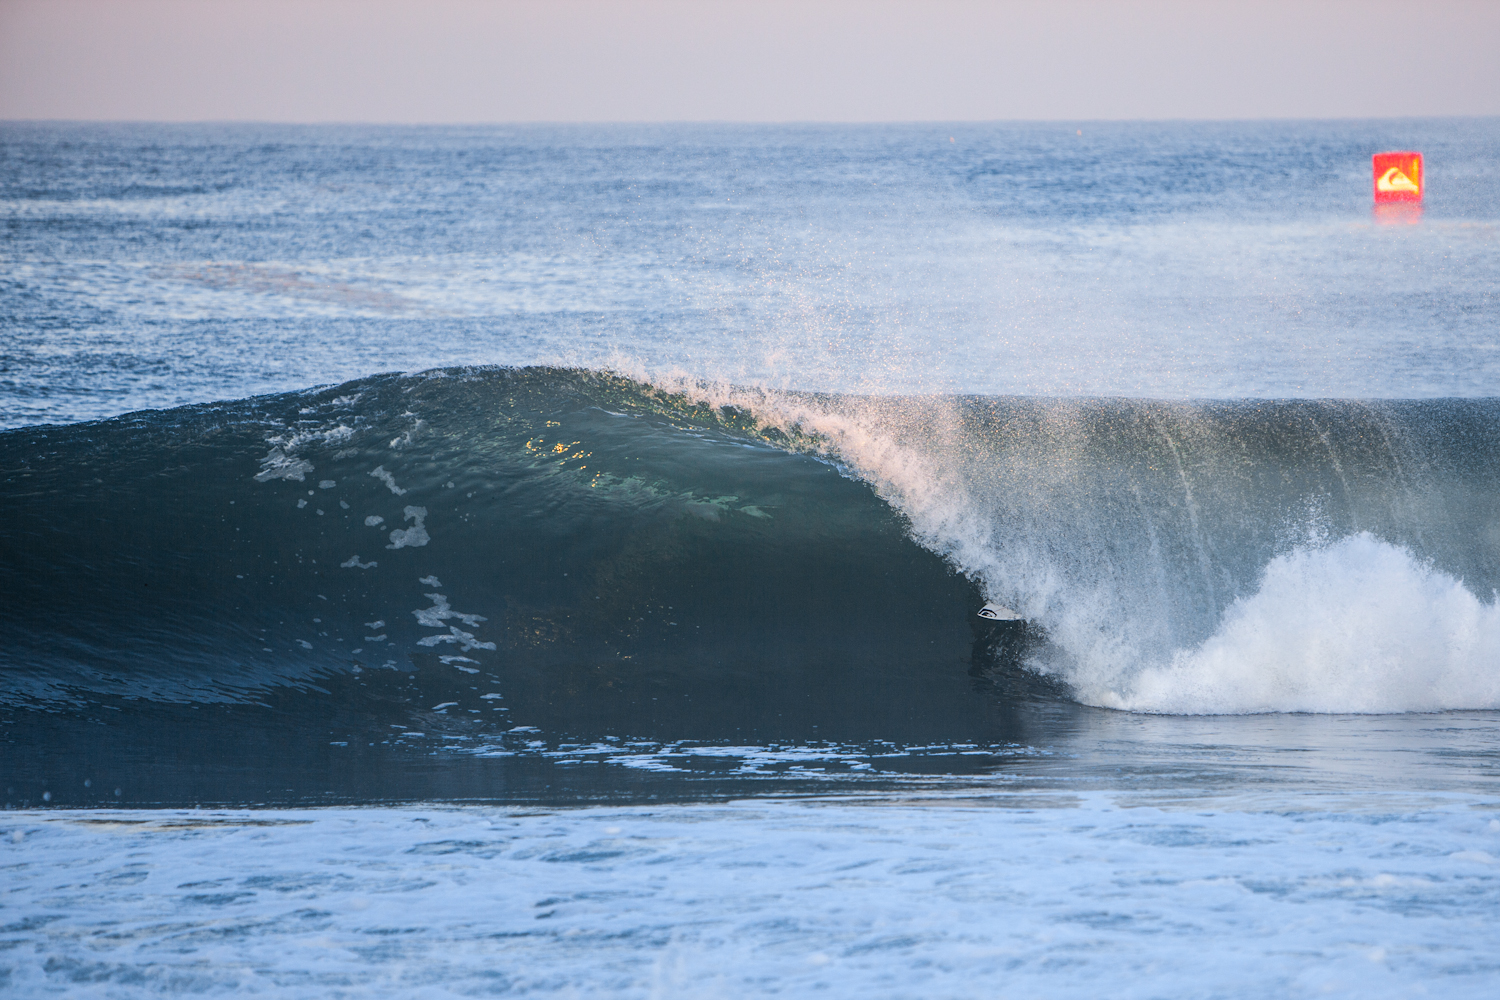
column 1359, row 625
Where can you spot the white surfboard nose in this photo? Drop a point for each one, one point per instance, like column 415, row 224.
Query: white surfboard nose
column 998, row 613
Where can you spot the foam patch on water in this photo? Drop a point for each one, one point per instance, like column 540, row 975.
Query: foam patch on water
column 414, row 536
column 1356, row 626
column 279, row 465
column 390, row 481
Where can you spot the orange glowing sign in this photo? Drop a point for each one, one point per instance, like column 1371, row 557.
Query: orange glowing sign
column 1398, row 177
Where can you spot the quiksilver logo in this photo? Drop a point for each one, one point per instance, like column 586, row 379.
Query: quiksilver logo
column 1394, row 180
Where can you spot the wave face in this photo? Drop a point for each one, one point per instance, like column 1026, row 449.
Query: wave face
column 553, row 549
column 588, row 553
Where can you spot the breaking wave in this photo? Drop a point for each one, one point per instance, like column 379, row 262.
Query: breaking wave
column 1358, row 625
column 588, row 552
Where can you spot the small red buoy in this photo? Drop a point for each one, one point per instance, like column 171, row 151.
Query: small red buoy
column 1398, row 177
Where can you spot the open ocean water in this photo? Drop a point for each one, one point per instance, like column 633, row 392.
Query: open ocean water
column 545, row 561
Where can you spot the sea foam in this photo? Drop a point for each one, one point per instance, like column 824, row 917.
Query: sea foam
column 1359, row 625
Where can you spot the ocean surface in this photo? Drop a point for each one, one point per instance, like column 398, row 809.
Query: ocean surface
column 545, row 561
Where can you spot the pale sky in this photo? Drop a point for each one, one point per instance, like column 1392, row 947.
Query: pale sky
column 725, row 60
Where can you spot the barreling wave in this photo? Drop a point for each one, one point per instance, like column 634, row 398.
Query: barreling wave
column 590, row 552
column 1205, row 557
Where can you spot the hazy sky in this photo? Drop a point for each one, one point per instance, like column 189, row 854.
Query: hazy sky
column 768, row 60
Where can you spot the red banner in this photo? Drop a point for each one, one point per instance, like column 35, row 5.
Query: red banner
column 1398, row 177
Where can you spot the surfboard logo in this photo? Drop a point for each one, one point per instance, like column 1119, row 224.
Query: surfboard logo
column 1394, row 180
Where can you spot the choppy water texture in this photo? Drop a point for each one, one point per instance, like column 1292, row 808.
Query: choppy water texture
column 999, row 896
column 628, row 472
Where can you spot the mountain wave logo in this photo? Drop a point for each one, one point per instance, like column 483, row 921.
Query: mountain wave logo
column 1394, row 180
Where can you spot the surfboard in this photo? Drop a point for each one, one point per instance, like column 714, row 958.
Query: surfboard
column 998, row 613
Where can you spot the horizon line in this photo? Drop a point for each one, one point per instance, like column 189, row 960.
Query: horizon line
column 735, row 121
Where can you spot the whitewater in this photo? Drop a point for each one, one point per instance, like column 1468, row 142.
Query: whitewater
column 546, row 560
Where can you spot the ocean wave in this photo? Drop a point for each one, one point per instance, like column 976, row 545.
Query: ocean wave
column 607, row 553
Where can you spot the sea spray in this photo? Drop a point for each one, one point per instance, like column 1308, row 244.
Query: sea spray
column 1358, row 625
